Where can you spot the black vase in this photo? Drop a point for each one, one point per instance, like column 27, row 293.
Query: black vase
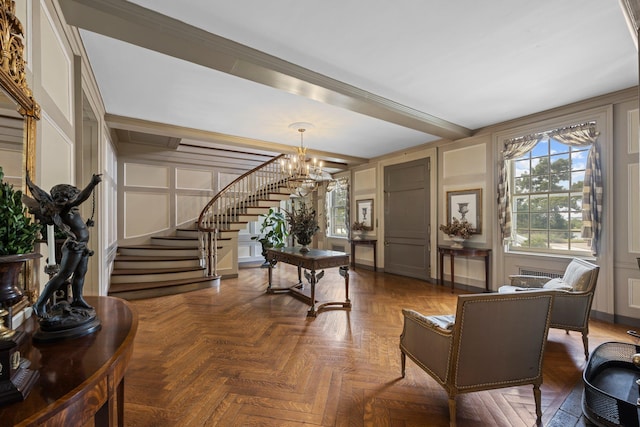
column 10, row 265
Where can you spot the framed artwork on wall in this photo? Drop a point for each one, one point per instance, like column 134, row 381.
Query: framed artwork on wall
column 466, row 205
column 365, row 212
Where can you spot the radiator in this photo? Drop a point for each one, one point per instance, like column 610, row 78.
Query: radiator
column 338, row 248
column 530, row 272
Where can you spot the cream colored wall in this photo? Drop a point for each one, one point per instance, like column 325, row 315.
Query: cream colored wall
column 465, row 165
column 58, row 83
column 157, row 198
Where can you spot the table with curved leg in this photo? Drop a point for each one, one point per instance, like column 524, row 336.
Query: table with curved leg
column 311, row 262
column 82, row 378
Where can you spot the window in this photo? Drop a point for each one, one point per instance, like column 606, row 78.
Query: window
column 546, row 203
column 337, row 208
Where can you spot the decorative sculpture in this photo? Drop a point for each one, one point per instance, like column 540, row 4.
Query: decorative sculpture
column 65, row 319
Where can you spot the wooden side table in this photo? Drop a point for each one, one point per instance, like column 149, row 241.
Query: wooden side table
column 82, row 379
column 467, row 251
column 364, row 242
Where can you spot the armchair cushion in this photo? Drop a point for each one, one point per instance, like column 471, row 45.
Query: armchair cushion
column 557, row 285
column 578, row 275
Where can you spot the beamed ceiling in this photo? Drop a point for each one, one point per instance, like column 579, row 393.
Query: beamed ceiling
column 374, row 77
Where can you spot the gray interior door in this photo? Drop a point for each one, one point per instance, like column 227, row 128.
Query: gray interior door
column 406, row 219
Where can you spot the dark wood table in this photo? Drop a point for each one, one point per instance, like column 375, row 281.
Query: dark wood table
column 81, row 378
column 314, row 260
column 364, row 242
column 467, row 251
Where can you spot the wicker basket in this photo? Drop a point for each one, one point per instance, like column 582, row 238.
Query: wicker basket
column 610, row 395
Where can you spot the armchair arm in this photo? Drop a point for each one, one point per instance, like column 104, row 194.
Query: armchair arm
column 427, row 343
column 528, row 281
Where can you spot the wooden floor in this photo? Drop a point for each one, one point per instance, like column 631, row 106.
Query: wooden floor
column 236, row 356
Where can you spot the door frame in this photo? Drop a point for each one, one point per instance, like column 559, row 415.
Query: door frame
column 430, row 153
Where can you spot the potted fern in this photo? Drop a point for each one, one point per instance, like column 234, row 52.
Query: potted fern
column 273, row 232
column 18, row 233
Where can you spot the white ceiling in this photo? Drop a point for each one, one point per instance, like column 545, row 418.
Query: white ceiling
column 373, row 76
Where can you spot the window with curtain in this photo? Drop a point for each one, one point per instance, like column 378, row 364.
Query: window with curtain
column 550, row 191
column 546, row 202
column 337, row 205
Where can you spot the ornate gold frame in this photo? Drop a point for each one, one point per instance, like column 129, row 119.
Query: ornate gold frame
column 13, row 80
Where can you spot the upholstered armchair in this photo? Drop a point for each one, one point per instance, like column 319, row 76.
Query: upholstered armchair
column 484, row 346
column 573, row 299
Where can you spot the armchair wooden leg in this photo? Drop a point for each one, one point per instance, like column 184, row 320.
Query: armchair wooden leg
column 452, row 411
column 403, row 362
column 537, row 396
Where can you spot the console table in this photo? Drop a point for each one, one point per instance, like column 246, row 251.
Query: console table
column 80, row 378
column 313, row 261
column 365, row 242
column 467, row 251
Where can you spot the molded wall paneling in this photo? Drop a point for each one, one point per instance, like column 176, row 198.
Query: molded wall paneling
column 364, row 180
column 56, row 156
column 193, row 179
column 145, row 213
column 244, row 252
column 465, row 161
column 225, row 179
column 110, row 187
column 634, row 293
column 57, row 63
column 634, row 206
column 188, row 208
column 633, row 118
column 149, row 176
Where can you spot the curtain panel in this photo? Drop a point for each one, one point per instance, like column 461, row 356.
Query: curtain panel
column 592, row 193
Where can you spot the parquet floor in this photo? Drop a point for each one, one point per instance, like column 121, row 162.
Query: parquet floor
column 236, row 356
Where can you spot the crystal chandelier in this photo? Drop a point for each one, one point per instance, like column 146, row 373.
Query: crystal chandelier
column 302, row 174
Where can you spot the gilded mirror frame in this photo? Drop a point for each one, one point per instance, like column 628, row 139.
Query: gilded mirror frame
column 13, row 80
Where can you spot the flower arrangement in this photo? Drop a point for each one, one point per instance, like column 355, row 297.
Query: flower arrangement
column 303, row 223
column 458, row 228
column 359, row 226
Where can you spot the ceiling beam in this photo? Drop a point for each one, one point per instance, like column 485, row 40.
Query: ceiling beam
column 134, row 24
column 184, row 133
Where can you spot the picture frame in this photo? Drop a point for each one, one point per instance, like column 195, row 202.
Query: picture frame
column 364, row 213
column 466, row 204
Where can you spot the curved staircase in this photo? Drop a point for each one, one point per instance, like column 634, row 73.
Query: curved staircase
column 188, row 260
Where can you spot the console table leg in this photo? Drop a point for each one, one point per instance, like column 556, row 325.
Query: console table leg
column 312, row 282
column 272, row 263
column 451, row 257
column 344, row 272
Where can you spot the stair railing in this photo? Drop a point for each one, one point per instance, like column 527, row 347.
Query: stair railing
column 233, row 201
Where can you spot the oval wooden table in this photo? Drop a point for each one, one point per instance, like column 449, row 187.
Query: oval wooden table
column 81, row 378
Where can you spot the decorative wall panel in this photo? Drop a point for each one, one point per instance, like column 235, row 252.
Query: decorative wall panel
column 145, row 213
column 634, row 293
column 193, row 180
column 634, row 206
column 188, row 208
column 633, row 118
column 57, row 80
column 149, row 176
column 465, row 161
column 56, row 146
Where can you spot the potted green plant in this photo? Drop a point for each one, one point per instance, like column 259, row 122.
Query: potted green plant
column 18, row 233
column 273, row 232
